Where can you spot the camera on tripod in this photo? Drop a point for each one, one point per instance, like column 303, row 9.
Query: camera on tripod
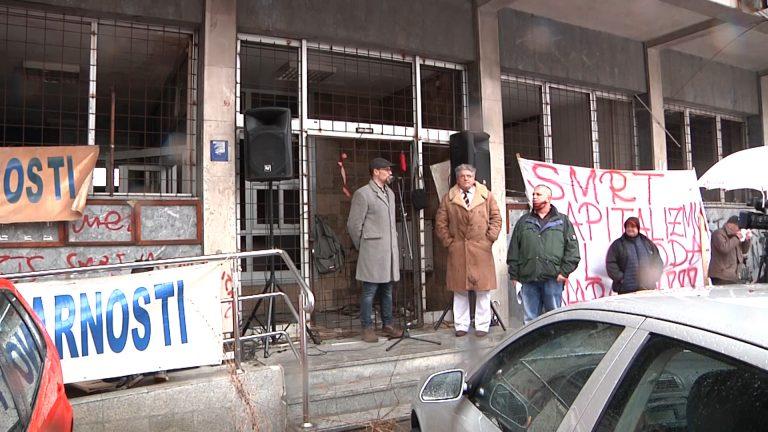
column 754, row 220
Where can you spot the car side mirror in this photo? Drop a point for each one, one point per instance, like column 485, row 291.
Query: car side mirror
column 509, row 407
column 443, row 386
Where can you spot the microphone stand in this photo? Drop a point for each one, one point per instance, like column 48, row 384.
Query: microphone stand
column 403, row 214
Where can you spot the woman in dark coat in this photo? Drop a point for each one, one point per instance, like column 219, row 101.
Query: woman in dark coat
column 633, row 261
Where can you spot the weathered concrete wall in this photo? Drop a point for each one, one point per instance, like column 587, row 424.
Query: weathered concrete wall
column 695, row 80
column 107, row 233
column 183, row 12
column 434, row 28
column 534, row 45
column 201, row 399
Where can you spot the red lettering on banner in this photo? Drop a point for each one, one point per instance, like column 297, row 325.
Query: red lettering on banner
column 649, row 176
column 557, row 190
column 622, row 218
column 615, row 189
column 110, row 221
column 584, row 188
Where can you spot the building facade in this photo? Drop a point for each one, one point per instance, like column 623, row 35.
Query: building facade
column 162, row 90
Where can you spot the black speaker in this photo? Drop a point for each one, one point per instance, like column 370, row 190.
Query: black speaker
column 267, row 154
column 472, row 148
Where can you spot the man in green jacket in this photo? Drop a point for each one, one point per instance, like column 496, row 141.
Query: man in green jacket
column 543, row 251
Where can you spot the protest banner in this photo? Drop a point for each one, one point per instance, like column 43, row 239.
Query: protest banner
column 129, row 324
column 598, row 201
column 45, row 184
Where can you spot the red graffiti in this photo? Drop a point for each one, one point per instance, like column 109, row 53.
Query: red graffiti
column 74, row 259
column 23, row 263
column 111, row 221
column 227, row 284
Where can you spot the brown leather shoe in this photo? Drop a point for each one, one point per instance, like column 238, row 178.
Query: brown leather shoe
column 392, row 331
column 369, row 336
column 460, row 333
column 480, row 333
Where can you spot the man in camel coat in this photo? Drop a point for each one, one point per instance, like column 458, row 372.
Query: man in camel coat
column 467, row 223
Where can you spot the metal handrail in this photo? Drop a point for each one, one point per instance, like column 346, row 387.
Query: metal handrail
column 306, row 303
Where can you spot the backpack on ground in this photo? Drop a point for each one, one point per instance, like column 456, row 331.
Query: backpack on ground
column 328, row 252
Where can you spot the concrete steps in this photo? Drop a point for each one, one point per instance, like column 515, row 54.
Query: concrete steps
column 350, row 393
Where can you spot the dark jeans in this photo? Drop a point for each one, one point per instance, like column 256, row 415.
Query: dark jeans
column 540, row 297
column 385, row 301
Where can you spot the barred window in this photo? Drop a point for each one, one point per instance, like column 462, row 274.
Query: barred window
column 523, row 129
column 44, row 79
column 143, row 99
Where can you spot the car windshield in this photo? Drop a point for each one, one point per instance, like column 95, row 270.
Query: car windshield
column 531, row 384
column 20, row 363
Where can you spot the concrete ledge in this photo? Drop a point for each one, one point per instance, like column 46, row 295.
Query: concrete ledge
column 205, row 399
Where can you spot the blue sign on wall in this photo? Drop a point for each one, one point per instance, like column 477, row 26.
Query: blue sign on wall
column 219, row 151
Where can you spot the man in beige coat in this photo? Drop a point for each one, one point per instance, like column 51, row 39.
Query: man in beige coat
column 372, row 228
column 467, row 223
column 728, row 249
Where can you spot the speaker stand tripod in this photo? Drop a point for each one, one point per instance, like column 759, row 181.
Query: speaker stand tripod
column 270, row 287
column 407, row 325
column 449, row 305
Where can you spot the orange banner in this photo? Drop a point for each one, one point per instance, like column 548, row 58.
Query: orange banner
column 45, row 184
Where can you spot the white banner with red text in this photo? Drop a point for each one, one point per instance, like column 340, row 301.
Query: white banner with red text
column 598, row 201
column 137, row 323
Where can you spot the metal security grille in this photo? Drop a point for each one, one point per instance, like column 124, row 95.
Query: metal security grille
column 351, row 88
column 360, row 104
column 704, row 152
column 263, row 207
column 341, row 166
column 565, row 124
column 676, row 151
column 704, row 138
column 269, row 77
column 616, row 132
column 145, row 110
column 442, row 98
column 44, row 78
column 571, row 128
column 733, row 139
column 523, row 113
column 128, row 88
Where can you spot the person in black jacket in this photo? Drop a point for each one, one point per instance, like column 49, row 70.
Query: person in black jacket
column 633, row 261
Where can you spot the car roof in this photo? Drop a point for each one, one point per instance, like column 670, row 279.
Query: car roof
column 736, row 311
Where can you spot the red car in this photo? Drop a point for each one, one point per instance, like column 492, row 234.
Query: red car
column 32, row 394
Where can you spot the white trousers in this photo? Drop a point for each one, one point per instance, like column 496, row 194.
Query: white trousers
column 482, row 311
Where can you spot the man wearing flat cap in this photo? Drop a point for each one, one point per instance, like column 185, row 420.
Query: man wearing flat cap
column 728, row 249
column 371, row 225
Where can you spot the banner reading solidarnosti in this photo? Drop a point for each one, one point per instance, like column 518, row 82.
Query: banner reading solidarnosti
column 45, row 184
column 597, row 202
column 121, row 325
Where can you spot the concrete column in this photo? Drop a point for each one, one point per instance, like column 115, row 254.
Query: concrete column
column 656, row 104
column 219, row 37
column 489, row 82
column 764, row 107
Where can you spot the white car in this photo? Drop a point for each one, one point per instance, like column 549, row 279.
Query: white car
column 671, row 361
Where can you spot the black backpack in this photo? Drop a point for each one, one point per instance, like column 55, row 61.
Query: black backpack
column 329, row 254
